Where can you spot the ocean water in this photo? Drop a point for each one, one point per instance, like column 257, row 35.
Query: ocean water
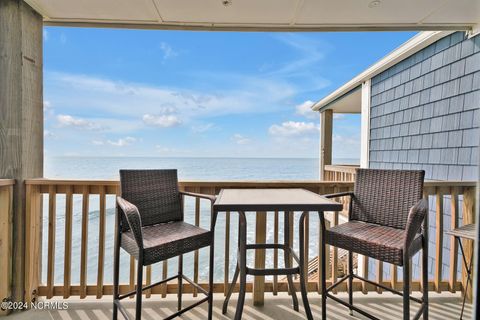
column 213, row 169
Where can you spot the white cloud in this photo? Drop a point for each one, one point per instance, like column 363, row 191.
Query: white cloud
column 98, row 142
column 202, row 128
column 162, row 121
column 305, row 109
column 338, row 116
column 122, row 142
column 292, row 128
column 79, row 123
column 240, row 139
column 103, row 96
column 168, row 51
column 48, row 134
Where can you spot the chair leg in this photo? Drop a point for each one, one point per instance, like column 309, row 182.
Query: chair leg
column 116, row 274
column 288, row 264
column 211, row 265
column 350, row 281
column 303, row 261
column 406, row 289
column 324, row 271
column 138, row 306
column 425, row 279
column 180, row 279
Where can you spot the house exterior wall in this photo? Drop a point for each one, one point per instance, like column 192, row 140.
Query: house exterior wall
column 425, row 114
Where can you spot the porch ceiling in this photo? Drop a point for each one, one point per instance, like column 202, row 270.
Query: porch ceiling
column 263, row 14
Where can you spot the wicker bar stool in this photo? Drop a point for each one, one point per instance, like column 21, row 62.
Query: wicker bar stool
column 388, row 222
column 150, row 227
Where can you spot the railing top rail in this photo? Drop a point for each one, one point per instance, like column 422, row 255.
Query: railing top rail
column 7, row 182
column 230, row 183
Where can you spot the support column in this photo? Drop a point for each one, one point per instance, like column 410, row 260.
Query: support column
column 326, row 130
column 21, row 116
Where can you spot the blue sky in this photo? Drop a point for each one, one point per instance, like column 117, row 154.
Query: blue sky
column 209, row 94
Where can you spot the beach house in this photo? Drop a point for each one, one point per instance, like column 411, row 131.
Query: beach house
column 419, row 109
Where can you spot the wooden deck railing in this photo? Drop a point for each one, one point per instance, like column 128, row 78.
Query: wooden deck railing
column 340, row 172
column 6, row 253
column 99, row 191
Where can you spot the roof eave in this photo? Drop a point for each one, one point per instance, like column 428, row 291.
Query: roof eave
column 415, row 44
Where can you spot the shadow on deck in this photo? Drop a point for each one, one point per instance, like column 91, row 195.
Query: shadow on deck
column 385, row 306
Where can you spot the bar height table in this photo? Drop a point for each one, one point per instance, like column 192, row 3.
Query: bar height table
column 287, row 200
column 466, row 232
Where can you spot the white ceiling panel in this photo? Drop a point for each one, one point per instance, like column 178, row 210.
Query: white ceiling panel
column 365, row 12
column 239, row 11
column 116, row 10
column 457, row 11
column 264, row 14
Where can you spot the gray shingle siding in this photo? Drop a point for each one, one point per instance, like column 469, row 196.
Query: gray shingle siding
column 430, row 102
column 425, row 114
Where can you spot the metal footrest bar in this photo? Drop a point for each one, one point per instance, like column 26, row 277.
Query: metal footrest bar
column 121, row 308
column 193, row 305
column 337, row 283
column 387, row 288
column 196, row 285
column 266, row 246
column 346, row 304
column 131, row 293
column 272, row 272
column 351, row 306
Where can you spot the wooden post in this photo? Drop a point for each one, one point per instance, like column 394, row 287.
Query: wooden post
column 21, row 116
column 326, row 126
column 468, row 217
column 259, row 281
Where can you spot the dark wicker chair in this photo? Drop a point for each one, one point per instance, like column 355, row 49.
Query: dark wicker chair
column 387, row 221
column 150, row 227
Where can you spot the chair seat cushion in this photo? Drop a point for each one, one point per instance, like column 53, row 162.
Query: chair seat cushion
column 372, row 240
column 166, row 240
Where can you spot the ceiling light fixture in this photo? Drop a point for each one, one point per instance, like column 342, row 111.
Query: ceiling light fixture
column 226, row 3
column 374, row 4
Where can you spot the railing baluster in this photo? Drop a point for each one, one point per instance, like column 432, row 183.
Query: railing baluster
column 68, row 243
column 260, row 237
column 453, row 242
column 438, row 238
column 132, row 275
column 101, row 242
column 164, row 276
column 226, row 274
column 394, row 276
column 84, row 241
column 6, row 245
column 306, row 240
column 379, row 275
column 468, row 217
column 148, row 293
column 275, row 252
column 334, row 255
column 52, row 219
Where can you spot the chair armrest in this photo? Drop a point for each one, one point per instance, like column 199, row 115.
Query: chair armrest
column 415, row 219
column 339, row 194
column 212, row 198
column 130, row 211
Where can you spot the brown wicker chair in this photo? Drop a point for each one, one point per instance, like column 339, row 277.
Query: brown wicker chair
column 150, row 227
column 387, row 221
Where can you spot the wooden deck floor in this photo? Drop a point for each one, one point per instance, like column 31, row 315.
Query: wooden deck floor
column 385, row 306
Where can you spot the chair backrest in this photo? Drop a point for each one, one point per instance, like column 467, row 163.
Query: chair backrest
column 155, row 194
column 385, row 197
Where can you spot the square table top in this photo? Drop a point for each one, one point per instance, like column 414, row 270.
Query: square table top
column 467, row 232
column 295, row 199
